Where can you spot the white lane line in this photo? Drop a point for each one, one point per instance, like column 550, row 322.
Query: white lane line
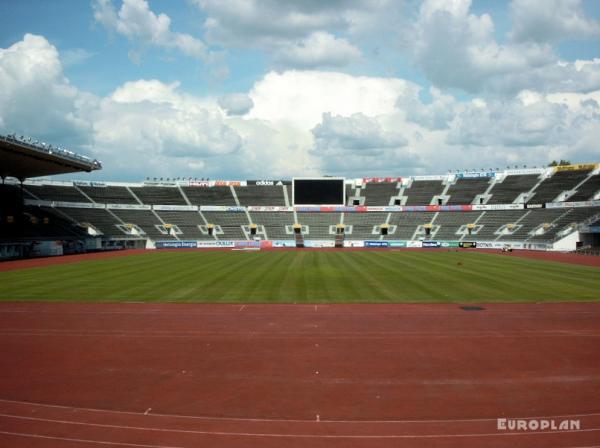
column 298, row 436
column 96, row 442
column 243, row 419
column 147, row 411
column 242, row 307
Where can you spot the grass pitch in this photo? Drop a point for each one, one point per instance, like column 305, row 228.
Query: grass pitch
column 306, row 277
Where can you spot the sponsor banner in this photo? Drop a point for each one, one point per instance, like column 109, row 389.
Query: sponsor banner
column 535, row 205
column 77, row 204
column 378, row 180
column 377, row 243
column 176, row 244
column 398, row 243
column 498, row 244
column 353, row 243
column 266, row 244
column 475, row 175
column 213, row 208
column 498, row 207
column 37, row 202
column 161, row 183
column 450, row 244
column 579, row 166
column 573, row 204
column 129, row 206
column 437, row 177
column 467, row 244
column 375, row 209
column 47, row 248
column 590, row 229
column 98, row 184
column 520, row 172
column 284, row 243
column 236, row 209
column 200, row 183
column 319, row 243
column 82, row 183
column 414, row 244
column 431, row 244
column 254, row 208
column 243, row 244
column 307, row 209
column 183, row 208
column 215, row 244
column 268, row 182
column 229, row 183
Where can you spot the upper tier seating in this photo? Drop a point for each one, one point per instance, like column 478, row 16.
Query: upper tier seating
column 421, row 192
column 379, row 193
column 508, row 190
column 159, row 195
column 464, row 190
column 56, row 193
column 271, row 195
column 561, row 181
column 209, row 195
column 109, row 195
column 587, row 190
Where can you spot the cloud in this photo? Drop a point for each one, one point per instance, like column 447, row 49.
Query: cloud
column 299, row 98
column 305, row 34
column 143, row 27
column 457, row 49
column 75, row 56
column 236, row 103
column 319, row 49
column 354, row 134
column 550, row 21
column 35, row 97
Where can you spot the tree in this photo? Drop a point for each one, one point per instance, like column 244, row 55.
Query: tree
column 561, row 163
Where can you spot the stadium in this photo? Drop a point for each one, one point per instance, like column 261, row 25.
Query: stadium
column 261, row 223
column 277, row 353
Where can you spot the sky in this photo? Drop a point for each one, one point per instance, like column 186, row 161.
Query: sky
column 271, row 89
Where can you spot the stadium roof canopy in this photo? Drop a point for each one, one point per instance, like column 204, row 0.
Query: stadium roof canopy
column 22, row 158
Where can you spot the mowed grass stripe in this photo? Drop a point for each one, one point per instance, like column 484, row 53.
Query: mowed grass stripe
column 306, row 277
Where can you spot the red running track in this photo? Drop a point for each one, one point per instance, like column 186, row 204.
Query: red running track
column 181, row 375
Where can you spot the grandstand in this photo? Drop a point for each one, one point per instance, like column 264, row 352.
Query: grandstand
column 534, row 208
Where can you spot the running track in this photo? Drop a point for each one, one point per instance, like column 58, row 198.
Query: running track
column 180, row 375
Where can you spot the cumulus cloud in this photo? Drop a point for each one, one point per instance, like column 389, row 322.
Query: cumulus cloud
column 456, row 48
column 236, row 103
column 354, row 134
column 319, row 49
column 550, row 21
column 142, row 26
column 306, row 34
column 35, row 97
column 299, row 98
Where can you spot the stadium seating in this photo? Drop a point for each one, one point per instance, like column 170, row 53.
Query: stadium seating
column 56, row 193
column 379, row 193
column 209, row 196
column 552, row 187
column 159, row 195
column 507, row 191
column 109, row 195
column 261, row 195
column 421, row 192
column 587, row 190
column 465, row 190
